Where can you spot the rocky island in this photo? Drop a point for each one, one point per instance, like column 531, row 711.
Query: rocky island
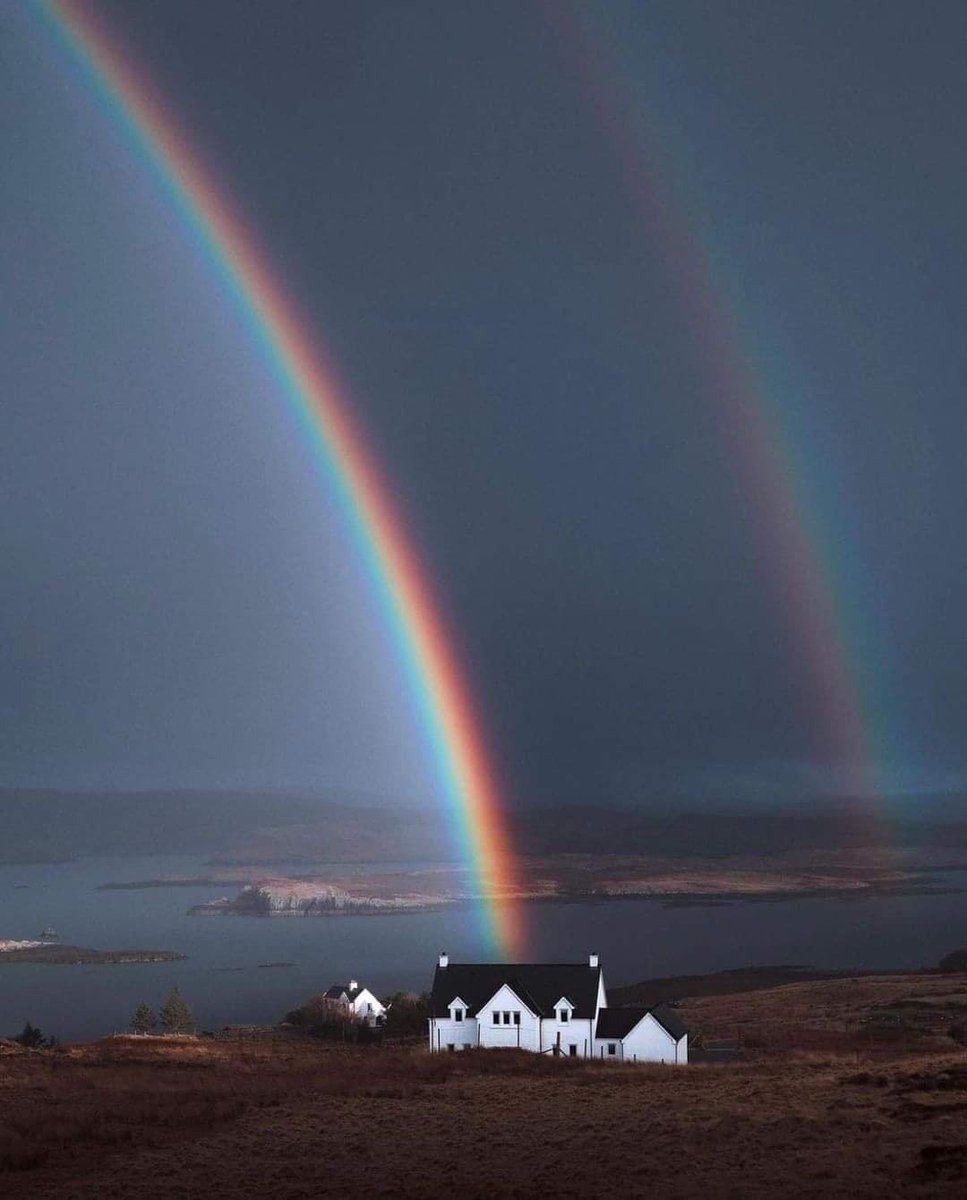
column 298, row 898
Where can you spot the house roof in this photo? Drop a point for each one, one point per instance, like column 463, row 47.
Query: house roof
column 339, row 989
column 619, row 1022
column 539, row 985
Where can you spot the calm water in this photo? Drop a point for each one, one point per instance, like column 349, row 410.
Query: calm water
column 224, row 983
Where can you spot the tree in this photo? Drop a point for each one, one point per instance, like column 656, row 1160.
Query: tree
column 406, row 1015
column 144, row 1019
column 31, row 1037
column 176, row 1016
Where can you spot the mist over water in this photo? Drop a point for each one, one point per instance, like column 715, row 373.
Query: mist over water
column 223, row 981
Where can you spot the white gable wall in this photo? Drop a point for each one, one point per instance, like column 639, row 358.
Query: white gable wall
column 526, row 1035
column 365, row 1004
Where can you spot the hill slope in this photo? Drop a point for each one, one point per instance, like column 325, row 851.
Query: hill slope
column 858, row 1118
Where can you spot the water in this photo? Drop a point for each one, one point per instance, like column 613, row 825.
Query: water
column 224, row 983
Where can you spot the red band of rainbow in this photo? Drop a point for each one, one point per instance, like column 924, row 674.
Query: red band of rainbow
column 426, row 648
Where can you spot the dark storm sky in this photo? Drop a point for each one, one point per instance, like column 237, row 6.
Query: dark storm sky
column 179, row 607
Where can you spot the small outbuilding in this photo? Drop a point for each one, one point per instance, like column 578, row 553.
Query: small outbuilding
column 640, row 1035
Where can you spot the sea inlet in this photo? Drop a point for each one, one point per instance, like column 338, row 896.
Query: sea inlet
column 251, row 969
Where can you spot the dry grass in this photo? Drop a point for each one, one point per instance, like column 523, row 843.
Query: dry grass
column 867, row 1015
column 146, row 1118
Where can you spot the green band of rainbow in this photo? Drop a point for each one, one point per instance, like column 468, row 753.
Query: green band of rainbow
column 426, row 649
column 753, row 412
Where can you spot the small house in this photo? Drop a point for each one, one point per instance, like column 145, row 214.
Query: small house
column 358, row 1000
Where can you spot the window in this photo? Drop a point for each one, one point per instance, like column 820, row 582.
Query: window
column 506, row 1018
column 496, row 1018
column 612, row 1048
column 451, row 1047
column 468, row 1045
column 516, row 1018
column 563, row 1016
column 572, row 1050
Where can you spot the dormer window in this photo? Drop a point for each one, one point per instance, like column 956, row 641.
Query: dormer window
column 564, row 1008
column 458, row 1014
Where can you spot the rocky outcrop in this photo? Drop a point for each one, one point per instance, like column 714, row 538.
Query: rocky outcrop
column 294, row 898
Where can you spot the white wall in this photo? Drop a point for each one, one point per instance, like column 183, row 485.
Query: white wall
column 444, row 1031
column 578, row 1032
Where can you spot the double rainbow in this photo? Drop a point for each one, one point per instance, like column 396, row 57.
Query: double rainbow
column 293, row 351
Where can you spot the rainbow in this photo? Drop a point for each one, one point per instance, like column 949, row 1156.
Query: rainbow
column 428, row 660
column 796, row 553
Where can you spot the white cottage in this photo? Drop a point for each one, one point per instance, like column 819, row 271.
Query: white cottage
column 360, row 1001
column 547, row 1008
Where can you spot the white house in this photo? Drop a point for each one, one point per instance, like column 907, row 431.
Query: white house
column 547, row 1008
column 359, row 1000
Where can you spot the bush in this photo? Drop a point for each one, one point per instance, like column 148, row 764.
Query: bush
column 406, row 1015
column 31, row 1037
column 332, row 1022
column 955, row 961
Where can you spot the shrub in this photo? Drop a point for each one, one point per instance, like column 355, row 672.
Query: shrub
column 406, row 1015
column 955, row 961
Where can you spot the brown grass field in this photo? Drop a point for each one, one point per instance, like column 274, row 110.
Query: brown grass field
column 851, row 1087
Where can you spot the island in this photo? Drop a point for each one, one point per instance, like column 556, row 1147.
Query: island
column 563, row 878
column 55, row 955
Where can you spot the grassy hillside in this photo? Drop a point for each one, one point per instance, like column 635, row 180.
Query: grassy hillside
column 823, row 1107
column 718, row 983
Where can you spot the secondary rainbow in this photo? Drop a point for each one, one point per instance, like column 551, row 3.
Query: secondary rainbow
column 426, row 647
column 797, row 549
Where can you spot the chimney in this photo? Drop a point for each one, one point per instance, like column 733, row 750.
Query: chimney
column 443, row 958
column 592, row 959
column 353, row 985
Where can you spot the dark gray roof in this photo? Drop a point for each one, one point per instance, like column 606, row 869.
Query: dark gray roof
column 616, row 1022
column 337, row 990
column 539, row 985
column 668, row 1019
column 619, row 1022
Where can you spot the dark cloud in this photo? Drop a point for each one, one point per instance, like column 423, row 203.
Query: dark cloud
column 453, row 218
